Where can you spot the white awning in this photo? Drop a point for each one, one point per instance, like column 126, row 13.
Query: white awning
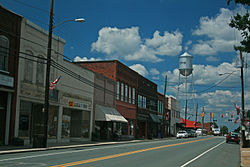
column 108, row 114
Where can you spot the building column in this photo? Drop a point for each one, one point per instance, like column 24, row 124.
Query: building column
column 7, row 125
column 59, row 124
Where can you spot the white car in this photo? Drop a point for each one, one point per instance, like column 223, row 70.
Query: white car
column 182, row 134
column 216, row 132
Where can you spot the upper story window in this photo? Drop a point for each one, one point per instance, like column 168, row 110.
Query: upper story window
column 4, row 53
column 126, row 93
column 133, row 96
column 40, row 70
column 129, row 94
column 117, row 90
column 122, row 91
column 28, row 67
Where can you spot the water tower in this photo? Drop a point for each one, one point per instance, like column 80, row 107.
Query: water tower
column 185, row 69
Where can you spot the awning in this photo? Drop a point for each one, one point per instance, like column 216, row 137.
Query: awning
column 103, row 113
column 155, row 118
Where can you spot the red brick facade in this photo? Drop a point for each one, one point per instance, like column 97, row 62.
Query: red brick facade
column 125, row 76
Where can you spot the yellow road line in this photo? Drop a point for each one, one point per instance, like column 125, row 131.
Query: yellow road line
column 124, row 154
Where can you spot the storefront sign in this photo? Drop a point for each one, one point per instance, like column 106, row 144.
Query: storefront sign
column 78, row 105
column 6, row 80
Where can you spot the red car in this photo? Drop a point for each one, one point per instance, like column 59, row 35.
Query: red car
column 233, row 137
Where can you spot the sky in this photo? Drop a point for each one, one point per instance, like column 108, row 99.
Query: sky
column 149, row 36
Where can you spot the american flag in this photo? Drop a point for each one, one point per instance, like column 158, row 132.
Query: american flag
column 237, row 109
column 237, row 120
column 53, row 84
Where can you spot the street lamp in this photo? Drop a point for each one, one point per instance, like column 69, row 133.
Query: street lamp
column 47, row 83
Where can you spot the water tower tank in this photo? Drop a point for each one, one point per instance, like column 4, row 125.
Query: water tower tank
column 185, row 64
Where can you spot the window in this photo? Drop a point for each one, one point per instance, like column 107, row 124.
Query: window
column 28, row 67
column 133, row 101
column 129, row 95
column 122, row 91
column 4, row 53
column 117, row 90
column 144, row 101
column 126, row 93
column 139, row 101
column 40, row 71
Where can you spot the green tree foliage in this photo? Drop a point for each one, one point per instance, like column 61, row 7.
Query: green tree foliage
column 224, row 130
column 242, row 23
column 237, row 130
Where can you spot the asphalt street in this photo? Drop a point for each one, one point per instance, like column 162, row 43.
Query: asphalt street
column 192, row 152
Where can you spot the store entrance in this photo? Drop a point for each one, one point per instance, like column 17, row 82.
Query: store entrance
column 37, row 125
column 3, row 110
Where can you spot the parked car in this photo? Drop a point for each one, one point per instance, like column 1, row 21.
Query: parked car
column 216, row 132
column 191, row 133
column 233, row 137
column 182, row 134
column 201, row 132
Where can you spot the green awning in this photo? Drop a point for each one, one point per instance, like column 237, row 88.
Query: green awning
column 155, row 118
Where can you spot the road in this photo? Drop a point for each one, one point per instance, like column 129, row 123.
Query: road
column 196, row 152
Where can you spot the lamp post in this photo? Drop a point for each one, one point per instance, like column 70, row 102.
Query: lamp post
column 47, row 83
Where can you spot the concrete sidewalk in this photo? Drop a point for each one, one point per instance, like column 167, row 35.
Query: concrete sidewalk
column 245, row 157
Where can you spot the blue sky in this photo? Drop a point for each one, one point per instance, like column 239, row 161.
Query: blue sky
column 149, row 36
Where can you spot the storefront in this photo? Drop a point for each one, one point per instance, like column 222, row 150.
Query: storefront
column 108, row 123
column 154, row 126
column 31, row 122
column 74, row 120
column 6, row 98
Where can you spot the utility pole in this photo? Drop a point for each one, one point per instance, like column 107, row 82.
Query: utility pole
column 164, row 108
column 242, row 103
column 196, row 114
column 47, row 84
column 203, row 122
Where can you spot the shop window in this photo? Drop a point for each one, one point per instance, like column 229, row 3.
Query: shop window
column 53, row 121
column 131, row 127
column 25, row 119
column 75, row 123
column 66, row 117
column 28, row 67
column 4, row 53
column 124, row 129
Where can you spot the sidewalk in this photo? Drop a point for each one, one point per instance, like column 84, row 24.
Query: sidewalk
column 19, row 149
column 245, row 157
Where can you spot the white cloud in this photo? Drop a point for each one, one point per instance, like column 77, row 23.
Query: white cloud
column 127, row 44
column 166, row 45
column 140, row 69
column 154, row 71
column 221, row 36
column 77, row 58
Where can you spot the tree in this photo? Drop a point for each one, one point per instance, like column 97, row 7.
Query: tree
column 224, row 130
column 237, row 130
column 242, row 23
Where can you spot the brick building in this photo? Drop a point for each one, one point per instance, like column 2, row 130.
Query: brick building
column 10, row 27
column 126, row 89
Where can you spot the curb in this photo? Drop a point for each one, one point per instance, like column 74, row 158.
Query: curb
column 74, row 146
